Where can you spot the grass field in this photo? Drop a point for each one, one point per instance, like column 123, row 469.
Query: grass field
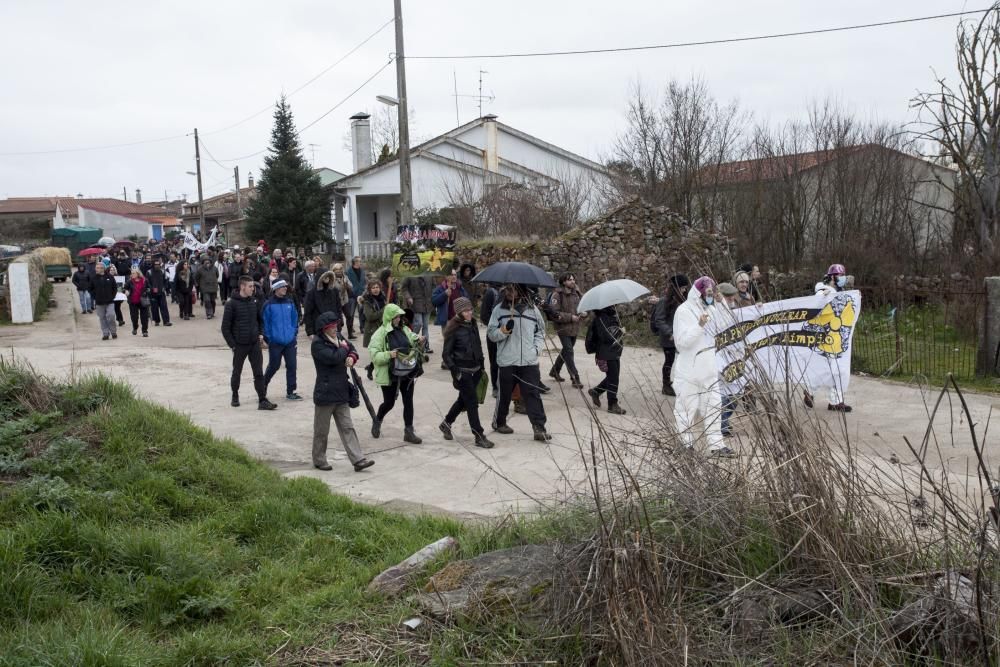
column 129, row 536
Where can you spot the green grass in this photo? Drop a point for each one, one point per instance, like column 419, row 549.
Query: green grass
column 130, row 536
column 42, row 302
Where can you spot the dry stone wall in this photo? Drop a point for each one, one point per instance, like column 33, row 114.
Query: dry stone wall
column 637, row 240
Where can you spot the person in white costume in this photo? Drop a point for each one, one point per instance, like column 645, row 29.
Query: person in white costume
column 695, row 375
column 834, row 281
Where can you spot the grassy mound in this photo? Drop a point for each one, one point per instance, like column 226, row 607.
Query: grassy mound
column 129, row 536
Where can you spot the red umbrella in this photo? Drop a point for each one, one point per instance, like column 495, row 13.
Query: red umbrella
column 91, row 251
column 124, row 243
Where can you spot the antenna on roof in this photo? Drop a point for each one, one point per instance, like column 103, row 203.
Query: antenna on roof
column 479, row 96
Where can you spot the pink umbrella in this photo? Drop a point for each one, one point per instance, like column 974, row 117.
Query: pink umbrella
column 91, row 251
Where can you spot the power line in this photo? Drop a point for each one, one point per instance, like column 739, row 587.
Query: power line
column 677, row 45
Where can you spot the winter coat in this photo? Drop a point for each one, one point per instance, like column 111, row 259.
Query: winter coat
column 357, row 279
column 241, row 321
column 303, row 285
column 463, row 348
column 182, row 284
column 378, row 348
column 332, row 383
column 156, row 280
column 490, row 298
column 419, row 289
column 608, row 334
column 83, row 281
column 123, row 266
column 524, row 345
column 321, row 299
column 136, row 289
column 663, row 319
column 371, row 309
column 445, row 305
column 343, row 287
column 207, row 280
column 104, row 290
column 564, row 303
column 695, row 363
column 281, row 320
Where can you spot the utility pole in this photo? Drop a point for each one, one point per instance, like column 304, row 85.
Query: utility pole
column 405, row 192
column 197, row 163
column 236, row 175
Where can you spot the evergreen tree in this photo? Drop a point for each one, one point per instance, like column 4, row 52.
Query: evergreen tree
column 290, row 207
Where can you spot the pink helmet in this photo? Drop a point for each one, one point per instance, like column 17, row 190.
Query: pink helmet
column 704, row 285
column 836, row 270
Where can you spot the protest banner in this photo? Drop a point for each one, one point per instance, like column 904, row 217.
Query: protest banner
column 804, row 341
column 423, row 249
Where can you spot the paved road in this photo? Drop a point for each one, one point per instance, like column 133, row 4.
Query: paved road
column 186, row 367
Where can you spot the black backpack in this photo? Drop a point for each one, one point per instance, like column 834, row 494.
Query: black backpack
column 548, row 308
column 590, row 342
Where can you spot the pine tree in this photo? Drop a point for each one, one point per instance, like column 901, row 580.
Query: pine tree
column 290, row 207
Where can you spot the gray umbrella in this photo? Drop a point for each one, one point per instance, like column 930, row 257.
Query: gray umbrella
column 611, row 293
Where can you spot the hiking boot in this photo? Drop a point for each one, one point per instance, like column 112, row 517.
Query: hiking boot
column 236, row 401
column 105, row 337
column 362, row 464
column 145, row 334
column 114, row 336
column 722, row 452
column 410, row 436
column 368, row 370
column 496, row 392
column 135, row 331
column 446, row 430
column 266, row 405
column 541, row 435
column 519, row 408
column 668, row 390
column 839, row 407
column 575, row 379
column 156, row 323
column 616, row 409
column 376, row 428
column 807, row 398
column 503, row 428
column 293, row 397
column 168, row 324
column 483, row 441
column 323, row 466
column 544, row 388
column 554, row 374
column 595, row 396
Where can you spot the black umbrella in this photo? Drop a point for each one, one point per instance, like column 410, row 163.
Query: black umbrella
column 364, row 394
column 518, row 273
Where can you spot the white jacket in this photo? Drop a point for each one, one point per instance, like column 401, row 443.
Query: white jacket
column 695, row 360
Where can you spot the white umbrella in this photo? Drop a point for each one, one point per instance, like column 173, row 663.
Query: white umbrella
column 611, row 293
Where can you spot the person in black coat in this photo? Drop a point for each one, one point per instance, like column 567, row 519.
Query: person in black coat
column 333, row 356
column 323, row 298
column 608, row 339
column 662, row 322
column 242, row 327
column 104, row 289
column 84, row 283
column 463, row 356
column 156, row 283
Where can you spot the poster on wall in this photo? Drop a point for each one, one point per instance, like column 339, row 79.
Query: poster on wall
column 423, row 249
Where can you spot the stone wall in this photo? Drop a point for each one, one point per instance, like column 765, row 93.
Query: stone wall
column 637, row 240
column 24, row 280
column 25, row 230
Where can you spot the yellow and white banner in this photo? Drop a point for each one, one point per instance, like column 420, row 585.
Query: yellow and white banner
column 806, row 341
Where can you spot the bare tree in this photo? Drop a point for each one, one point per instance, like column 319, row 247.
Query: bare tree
column 384, row 125
column 963, row 121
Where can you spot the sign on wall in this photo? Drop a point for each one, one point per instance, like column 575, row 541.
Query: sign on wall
column 421, row 249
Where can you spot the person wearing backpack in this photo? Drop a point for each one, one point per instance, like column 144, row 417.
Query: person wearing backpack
column 561, row 309
column 661, row 323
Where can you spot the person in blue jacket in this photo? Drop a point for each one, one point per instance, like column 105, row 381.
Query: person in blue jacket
column 281, row 326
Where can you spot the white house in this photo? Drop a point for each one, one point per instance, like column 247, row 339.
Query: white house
column 457, row 166
column 119, row 219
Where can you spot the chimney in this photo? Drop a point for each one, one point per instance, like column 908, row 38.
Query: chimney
column 492, row 152
column 361, row 141
column 138, row 196
column 250, row 180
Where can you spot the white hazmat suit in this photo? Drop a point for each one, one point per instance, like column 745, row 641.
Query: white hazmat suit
column 695, row 375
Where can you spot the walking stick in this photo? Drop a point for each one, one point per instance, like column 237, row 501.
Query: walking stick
column 364, row 394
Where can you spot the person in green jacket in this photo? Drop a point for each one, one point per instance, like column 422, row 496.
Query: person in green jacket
column 397, row 354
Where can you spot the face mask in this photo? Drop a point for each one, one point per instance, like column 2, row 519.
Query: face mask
column 841, row 281
column 709, row 300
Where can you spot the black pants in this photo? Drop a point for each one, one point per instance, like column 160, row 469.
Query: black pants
column 118, row 313
column 348, row 309
column 184, row 303
column 209, row 300
column 491, row 350
column 530, row 380
column 669, row 354
column 139, row 313
column 402, row 386
column 610, row 381
column 467, row 401
column 158, row 307
column 252, row 352
column 566, row 356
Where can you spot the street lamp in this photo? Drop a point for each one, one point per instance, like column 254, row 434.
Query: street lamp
column 387, row 99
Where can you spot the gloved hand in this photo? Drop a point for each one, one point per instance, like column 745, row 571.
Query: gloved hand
column 456, row 378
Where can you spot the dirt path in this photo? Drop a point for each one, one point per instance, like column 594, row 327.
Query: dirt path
column 186, row 367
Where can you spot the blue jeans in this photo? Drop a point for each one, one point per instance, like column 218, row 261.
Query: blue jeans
column 728, row 408
column 422, row 325
column 86, row 301
column 275, row 354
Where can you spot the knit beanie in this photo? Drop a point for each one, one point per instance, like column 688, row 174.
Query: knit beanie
column 462, row 304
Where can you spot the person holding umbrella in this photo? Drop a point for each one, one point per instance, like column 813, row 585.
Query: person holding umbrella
column 606, row 337
column 333, row 356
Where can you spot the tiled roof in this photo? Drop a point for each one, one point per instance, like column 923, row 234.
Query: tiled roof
column 774, row 168
column 71, row 207
column 28, row 205
column 159, row 218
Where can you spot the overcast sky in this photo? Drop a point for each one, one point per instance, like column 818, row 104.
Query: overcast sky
column 83, row 74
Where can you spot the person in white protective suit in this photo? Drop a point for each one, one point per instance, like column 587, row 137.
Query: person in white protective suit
column 834, row 281
column 695, row 375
